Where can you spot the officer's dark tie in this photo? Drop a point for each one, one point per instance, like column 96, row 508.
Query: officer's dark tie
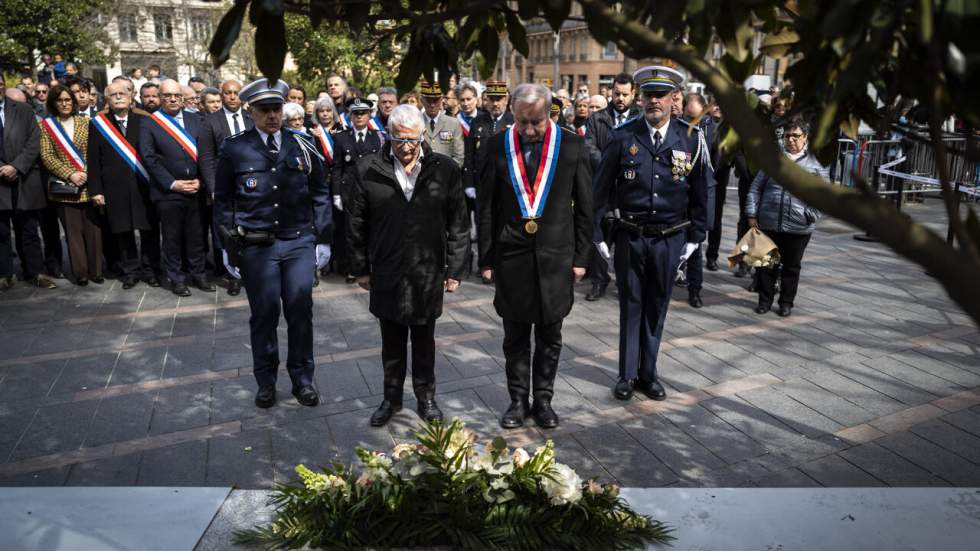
column 273, row 148
column 432, row 125
column 656, row 141
column 360, row 137
column 234, row 118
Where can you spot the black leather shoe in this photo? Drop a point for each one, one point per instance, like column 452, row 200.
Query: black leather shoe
column 316, row 278
column 129, row 282
column 544, row 416
column 384, row 413
column 597, row 292
column 204, row 285
column 763, row 308
column 181, row 290
column 753, row 287
column 152, row 281
column 7, row 283
column 694, row 298
column 623, row 389
column 350, row 279
column 711, row 265
column 680, row 282
column 652, row 389
column 515, row 415
column 234, row 287
column 306, row 395
column 265, row 397
column 43, row 283
column 784, row 310
column 98, row 280
column 429, row 411
column 56, row 274
column 81, row 282
column 742, row 271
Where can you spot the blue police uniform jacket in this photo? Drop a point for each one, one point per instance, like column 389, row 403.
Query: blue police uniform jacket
column 287, row 194
column 640, row 180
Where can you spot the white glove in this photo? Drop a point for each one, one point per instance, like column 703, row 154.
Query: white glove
column 470, row 192
column 232, row 271
column 689, row 250
column 338, row 203
column 603, row 249
column 322, row 256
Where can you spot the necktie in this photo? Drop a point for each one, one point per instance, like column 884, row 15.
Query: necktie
column 360, row 137
column 238, row 127
column 656, row 140
column 122, row 127
column 432, row 125
column 273, row 148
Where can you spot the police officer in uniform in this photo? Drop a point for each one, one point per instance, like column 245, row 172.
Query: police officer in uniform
column 350, row 145
column 272, row 211
column 477, row 127
column 498, row 105
column 656, row 171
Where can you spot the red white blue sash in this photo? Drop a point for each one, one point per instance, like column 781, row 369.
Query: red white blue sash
column 345, row 121
column 177, row 132
column 581, row 130
column 326, row 143
column 464, row 124
column 532, row 195
column 121, row 145
column 64, row 143
column 375, row 124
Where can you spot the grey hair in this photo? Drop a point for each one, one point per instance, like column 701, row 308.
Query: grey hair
column 290, row 110
column 467, row 85
column 325, row 103
column 387, row 90
column 529, row 94
column 406, row 115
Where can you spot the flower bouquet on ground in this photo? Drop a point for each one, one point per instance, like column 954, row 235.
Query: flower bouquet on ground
column 447, row 490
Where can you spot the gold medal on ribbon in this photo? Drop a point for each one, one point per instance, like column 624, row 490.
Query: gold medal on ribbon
column 531, row 227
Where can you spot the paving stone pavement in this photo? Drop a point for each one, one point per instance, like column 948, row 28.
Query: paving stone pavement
column 874, row 381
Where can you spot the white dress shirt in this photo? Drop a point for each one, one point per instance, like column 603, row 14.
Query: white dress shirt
column 277, row 138
column 407, row 180
column 231, row 121
column 663, row 131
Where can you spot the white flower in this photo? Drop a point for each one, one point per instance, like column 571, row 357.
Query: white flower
column 563, row 485
column 520, row 457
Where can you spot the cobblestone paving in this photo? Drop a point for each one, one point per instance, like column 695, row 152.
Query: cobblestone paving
column 874, row 381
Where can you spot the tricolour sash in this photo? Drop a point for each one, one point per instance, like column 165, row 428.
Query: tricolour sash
column 326, row 143
column 345, row 121
column 532, row 196
column 177, row 132
column 121, row 145
column 581, row 130
column 464, row 124
column 375, row 124
column 64, row 143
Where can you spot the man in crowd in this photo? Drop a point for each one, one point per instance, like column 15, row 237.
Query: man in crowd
column 387, row 100
column 192, row 101
column 477, row 127
column 275, row 220
column 79, row 88
column 498, row 99
column 168, row 144
column 535, row 224
column 337, row 90
column 40, row 98
column 655, row 171
column 442, row 132
column 22, row 192
column 229, row 120
column 598, row 134
column 117, row 180
column 150, row 97
column 597, row 103
column 210, row 100
column 407, row 209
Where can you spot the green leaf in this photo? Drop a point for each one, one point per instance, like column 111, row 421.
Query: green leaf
column 517, row 34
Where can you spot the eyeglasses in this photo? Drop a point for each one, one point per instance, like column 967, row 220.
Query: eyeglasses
column 795, row 136
column 412, row 141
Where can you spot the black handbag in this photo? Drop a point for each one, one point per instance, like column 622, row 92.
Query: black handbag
column 59, row 188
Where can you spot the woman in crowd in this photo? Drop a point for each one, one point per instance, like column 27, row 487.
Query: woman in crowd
column 64, row 145
column 411, row 98
column 788, row 221
column 326, row 123
column 581, row 114
column 293, row 117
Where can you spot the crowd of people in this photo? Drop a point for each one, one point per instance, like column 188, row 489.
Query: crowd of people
column 267, row 186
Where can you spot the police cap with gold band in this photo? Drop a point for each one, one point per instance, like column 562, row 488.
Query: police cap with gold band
column 496, row 88
column 430, row 90
column 262, row 92
column 658, row 78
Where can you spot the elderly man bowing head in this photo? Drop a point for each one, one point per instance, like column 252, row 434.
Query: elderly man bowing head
column 408, row 234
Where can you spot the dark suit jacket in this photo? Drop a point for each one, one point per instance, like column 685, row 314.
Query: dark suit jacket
column 21, row 148
column 599, row 130
column 213, row 132
column 346, row 154
column 127, row 197
column 165, row 159
column 534, row 272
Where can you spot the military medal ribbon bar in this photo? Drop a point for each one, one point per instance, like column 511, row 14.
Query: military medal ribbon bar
column 532, row 196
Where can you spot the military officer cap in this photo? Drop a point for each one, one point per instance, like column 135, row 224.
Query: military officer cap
column 359, row 104
column 556, row 106
column 496, row 89
column 262, row 92
column 657, row 78
column 430, row 90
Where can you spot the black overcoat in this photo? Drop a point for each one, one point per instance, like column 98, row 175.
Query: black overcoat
column 533, row 272
column 22, row 148
column 408, row 247
column 127, row 196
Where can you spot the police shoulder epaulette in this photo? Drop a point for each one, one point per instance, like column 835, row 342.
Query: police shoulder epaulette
column 687, row 124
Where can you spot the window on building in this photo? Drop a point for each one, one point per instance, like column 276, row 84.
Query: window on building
column 163, row 27
column 201, row 28
column 609, row 51
column 128, row 27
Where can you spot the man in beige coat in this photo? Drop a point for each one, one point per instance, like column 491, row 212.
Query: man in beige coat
column 442, row 132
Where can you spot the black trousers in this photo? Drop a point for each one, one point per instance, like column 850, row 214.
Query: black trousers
column 54, row 254
column 791, row 249
column 142, row 260
column 721, row 190
column 394, row 358
column 524, row 375
column 598, row 266
column 26, row 225
column 180, row 224
column 338, row 252
column 212, row 260
column 694, row 271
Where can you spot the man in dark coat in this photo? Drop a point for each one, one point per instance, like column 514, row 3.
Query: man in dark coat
column 408, row 236
column 477, row 128
column 117, row 180
column 535, row 239
column 22, row 193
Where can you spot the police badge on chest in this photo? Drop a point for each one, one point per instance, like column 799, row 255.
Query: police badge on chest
column 251, row 183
